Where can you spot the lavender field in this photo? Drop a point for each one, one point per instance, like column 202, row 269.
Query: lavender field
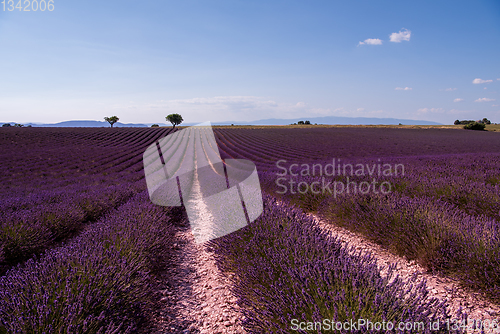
column 83, row 249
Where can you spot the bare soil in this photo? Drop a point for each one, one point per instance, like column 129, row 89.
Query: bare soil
column 197, row 297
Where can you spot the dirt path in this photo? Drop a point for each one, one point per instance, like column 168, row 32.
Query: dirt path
column 197, row 297
column 443, row 288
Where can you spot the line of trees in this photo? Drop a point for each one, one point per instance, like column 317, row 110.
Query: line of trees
column 482, row 121
column 302, row 123
column 473, row 125
column 6, row 125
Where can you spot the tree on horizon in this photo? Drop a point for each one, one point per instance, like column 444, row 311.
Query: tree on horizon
column 175, row 119
column 111, row 120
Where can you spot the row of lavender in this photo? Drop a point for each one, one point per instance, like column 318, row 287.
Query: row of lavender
column 267, row 145
column 100, row 279
column 445, row 217
column 443, row 211
column 54, row 182
column 291, row 276
column 99, row 282
column 56, row 158
column 51, row 217
column 286, row 267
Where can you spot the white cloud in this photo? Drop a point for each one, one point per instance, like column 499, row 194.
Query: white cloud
column 317, row 112
column 371, row 41
column 402, row 35
column 480, row 81
column 240, row 101
column 400, row 88
column 484, row 99
column 358, row 112
column 456, row 111
column 485, row 88
column 494, row 105
column 429, row 110
column 449, row 89
column 458, row 100
column 228, row 108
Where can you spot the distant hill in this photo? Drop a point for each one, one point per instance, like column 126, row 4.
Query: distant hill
column 270, row 121
column 330, row 120
column 86, row 124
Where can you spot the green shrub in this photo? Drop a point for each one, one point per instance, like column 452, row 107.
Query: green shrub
column 474, row 126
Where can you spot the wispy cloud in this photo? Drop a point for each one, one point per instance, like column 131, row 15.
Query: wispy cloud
column 401, row 88
column 456, row 111
column 484, row 99
column 230, row 108
column 229, row 102
column 371, row 41
column 458, row 100
column 402, row 35
column 494, row 105
column 449, row 89
column 480, row 81
column 430, row 110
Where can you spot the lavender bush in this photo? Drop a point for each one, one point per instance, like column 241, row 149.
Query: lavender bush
column 29, row 228
column 433, row 232
column 287, row 268
column 100, row 282
column 443, row 211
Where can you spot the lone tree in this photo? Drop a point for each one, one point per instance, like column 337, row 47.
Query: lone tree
column 175, row 119
column 111, row 120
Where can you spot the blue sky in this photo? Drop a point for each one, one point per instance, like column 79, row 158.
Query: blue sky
column 249, row 60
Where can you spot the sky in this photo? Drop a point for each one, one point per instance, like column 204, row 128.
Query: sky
column 213, row 60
